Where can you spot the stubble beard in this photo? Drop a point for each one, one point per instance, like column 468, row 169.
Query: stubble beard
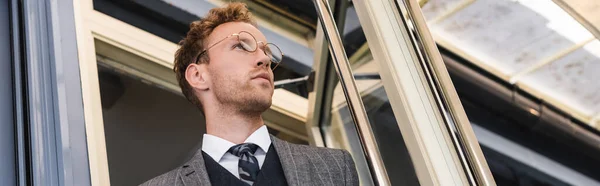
column 243, row 98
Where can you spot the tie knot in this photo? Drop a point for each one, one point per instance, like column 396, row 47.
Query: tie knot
column 240, row 149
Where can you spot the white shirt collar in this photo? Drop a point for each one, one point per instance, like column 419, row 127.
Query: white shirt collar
column 261, row 138
column 216, row 147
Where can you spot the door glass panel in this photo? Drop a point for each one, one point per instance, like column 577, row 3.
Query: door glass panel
column 340, row 131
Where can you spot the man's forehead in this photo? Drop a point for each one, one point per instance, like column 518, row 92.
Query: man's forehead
column 229, row 28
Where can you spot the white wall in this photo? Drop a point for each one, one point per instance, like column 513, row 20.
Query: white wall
column 149, row 131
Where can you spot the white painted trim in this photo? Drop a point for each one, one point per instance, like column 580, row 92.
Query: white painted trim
column 595, row 121
column 430, row 147
column 90, row 90
column 291, row 104
column 131, row 39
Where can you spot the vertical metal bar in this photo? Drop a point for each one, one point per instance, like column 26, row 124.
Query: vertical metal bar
column 355, row 105
column 53, row 100
column 317, row 110
column 453, row 113
column 42, row 134
column 8, row 172
column 22, row 164
column 325, row 79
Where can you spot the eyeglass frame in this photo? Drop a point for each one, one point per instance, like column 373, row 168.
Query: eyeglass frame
column 197, row 58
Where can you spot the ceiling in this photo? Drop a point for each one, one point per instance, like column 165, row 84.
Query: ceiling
column 533, row 44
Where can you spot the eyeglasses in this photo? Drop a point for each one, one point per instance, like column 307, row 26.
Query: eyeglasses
column 247, row 42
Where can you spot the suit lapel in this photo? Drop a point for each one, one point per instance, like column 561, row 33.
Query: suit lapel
column 193, row 172
column 294, row 165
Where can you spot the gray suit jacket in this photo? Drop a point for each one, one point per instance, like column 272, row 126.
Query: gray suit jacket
column 301, row 164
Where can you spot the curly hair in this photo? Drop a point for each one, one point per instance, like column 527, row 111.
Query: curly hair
column 193, row 43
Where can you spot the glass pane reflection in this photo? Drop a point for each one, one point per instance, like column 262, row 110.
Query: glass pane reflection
column 341, row 133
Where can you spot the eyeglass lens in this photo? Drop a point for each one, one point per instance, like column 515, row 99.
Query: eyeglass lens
column 250, row 44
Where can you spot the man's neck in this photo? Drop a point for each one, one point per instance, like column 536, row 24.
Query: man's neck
column 232, row 126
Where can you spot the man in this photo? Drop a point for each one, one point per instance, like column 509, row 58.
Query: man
column 224, row 66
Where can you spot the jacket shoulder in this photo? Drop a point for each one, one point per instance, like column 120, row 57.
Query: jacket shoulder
column 170, row 178
column 337, row 162
column 322, row 155
column 318, row 150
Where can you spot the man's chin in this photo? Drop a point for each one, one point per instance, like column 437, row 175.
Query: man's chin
column 263, row 106
column 257, row 106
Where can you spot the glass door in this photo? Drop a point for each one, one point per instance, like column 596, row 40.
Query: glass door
column 401, row 119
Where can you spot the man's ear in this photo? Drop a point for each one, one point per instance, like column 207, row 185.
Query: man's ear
column 196, row 76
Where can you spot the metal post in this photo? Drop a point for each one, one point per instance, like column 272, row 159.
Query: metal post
column 8, row 174
column 455, row 117
column 353, row 98
column 52, row 99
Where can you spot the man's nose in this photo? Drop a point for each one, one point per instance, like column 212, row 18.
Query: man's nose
column 263, row 59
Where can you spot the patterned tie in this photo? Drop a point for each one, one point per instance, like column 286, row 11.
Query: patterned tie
column 247, row 165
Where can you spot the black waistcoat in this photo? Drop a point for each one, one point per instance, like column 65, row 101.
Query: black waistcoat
column 271, row 172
